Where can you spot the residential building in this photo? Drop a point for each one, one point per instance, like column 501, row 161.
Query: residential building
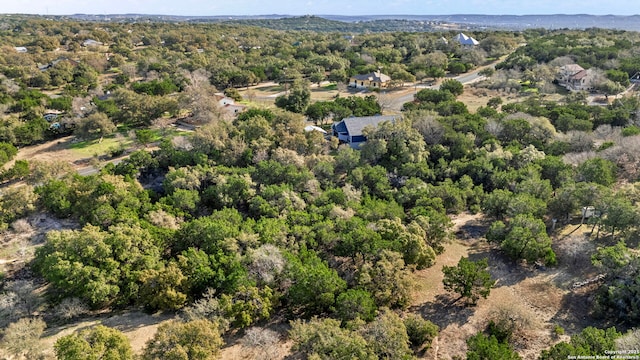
column 228, row 105
column 91, row 42
column 465, row 40
column 575, row 77
column 375, row 79
column 350, row 130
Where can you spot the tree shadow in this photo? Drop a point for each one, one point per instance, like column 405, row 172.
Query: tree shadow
column 577, row 312
column 444, row 310
column 125, row 321
column 472, row 230
column 502, row 268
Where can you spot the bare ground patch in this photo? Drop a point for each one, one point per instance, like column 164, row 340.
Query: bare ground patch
column 534, row 298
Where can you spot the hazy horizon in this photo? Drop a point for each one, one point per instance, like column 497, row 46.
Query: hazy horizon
column 322, row 7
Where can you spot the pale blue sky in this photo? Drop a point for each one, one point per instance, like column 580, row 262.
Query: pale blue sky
column 320, row 7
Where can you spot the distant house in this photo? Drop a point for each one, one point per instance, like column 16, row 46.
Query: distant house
column 575, row 77
column 375, row 79
column 55, row 62
column 349, row 130
column 91, row 43
column 228, row 105
column 50, row 116
column 465, row 40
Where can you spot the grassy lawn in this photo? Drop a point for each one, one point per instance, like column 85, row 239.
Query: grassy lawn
column 90, row 148
column 121, row 139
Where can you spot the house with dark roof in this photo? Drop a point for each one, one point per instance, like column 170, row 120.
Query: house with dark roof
column 575, row 77
column 375, row 79
column 350, row 130
column 46, row 67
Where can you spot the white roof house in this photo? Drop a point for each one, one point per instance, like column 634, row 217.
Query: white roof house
column 466, row 40
column 91, row 42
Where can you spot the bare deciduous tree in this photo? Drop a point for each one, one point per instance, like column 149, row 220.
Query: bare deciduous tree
column 21, row 337
column 70, row 308
column 429, row 127
column 266, row 263
column 261, row 343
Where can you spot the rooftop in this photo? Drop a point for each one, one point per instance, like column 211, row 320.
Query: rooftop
column 374, row 76
column 355, row 125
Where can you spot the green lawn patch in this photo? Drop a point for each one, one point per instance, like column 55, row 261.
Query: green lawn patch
column 90, row 148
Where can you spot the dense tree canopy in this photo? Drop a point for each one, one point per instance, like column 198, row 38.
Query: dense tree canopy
column 249, row 218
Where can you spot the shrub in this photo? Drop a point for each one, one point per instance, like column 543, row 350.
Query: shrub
column 421, row 332
column 631, row 130
column 193, row 340
column 100, row 342
column 355, row 304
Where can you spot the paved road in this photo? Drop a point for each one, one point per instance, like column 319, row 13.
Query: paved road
column 90, row 170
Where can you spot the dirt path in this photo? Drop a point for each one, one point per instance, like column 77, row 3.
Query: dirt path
column 54, row 150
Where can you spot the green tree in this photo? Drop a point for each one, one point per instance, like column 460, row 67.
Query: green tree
column 470, row 279
column 193, row 340
column 483, row 347
column 456, row 67
column 525, row 237
column 298, row 98
column 421, row 332
column 100, row 342
column 315, row 285
column 355, row 304
column 7, row 152
column 96, row 125
column 144, row 136
column 617, row 297
column 326, row 340
column 589, row 342
column 387, row 279
column 97, row 266
column 248, row 305
column 496, row 203
column 161, row 289
column 387, row 337
column 599, row 171
column 453, row 86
